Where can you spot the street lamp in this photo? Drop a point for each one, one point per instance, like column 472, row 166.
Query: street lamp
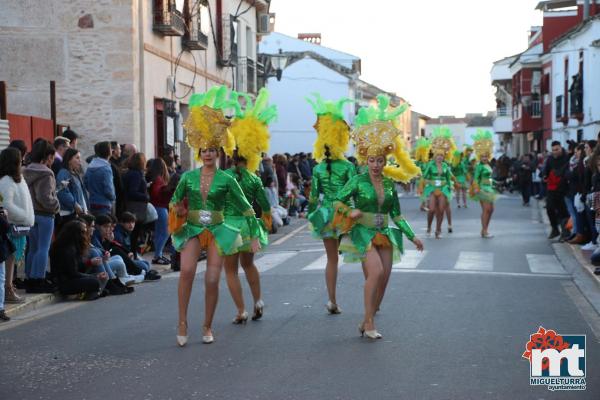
column 279, row 62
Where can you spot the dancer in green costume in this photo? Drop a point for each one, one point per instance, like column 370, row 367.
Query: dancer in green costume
column 328, row 178
column 482, row 188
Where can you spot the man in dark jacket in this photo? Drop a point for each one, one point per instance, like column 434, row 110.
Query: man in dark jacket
column 524, row 178
column 115, row 165
column 554, row 175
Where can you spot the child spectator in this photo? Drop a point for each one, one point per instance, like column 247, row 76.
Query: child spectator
column 123, row 239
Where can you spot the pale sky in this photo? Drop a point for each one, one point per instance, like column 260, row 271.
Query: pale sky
column 437, row 54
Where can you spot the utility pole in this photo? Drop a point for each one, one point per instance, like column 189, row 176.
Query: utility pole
column 586, row 9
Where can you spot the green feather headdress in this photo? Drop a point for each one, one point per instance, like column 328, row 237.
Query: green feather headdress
column 216, row 98
column 260, row 109
column 327, row 107
column 368, row 115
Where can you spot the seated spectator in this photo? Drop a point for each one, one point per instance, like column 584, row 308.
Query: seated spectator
column 42, row 188
column 98, row 180
column 98, row 260
column 122, row 238
column 105, row 235
column 67, row 265
column 72, row 195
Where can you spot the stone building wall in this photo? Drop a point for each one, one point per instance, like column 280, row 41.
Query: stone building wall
column 86, row 46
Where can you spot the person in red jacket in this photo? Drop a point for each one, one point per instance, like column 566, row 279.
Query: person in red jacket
column 160, row 196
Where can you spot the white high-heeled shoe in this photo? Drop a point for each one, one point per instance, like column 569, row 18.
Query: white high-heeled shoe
column 182, row 340
column 333, row 308
column 207, row 339
column 241, row 318
column 372, row 334
column 258, row 310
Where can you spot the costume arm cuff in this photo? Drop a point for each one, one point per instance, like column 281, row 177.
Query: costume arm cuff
column 404, row 226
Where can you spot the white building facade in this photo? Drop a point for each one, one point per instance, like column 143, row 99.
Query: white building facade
column 312, row 69
column 575, row 83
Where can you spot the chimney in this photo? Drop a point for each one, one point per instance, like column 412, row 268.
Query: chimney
column 314, row 38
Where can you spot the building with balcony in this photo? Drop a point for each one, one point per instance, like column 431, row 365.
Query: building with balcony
column 502, row 124
column 532, row 78
column 575, row 58
column 125, row 71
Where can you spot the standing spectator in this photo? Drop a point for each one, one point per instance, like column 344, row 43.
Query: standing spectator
column 42, row 187
column 66, row 259
column 304, row 167
column 72, row 136
column 267, row 169
column 524, row 178
column 127, row 150
column 281, row 172
column 160, row 196
column 554, row 174
column 19, row 145
column 6, row 248
column 136, row 193
column 16, row 200
column 115, row 166
column 61, row 144
column 574, row 179
column 71, row 193
column 98, row 180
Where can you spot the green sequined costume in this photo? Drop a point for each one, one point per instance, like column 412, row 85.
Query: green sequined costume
column 254, row 192
column 434, row 180
column 360, row 192
column 327, row 185
column 482, row 179
column 460, row 173
column 209, row 216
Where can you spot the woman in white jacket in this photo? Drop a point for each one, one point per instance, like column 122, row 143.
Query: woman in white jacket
column 16, row 200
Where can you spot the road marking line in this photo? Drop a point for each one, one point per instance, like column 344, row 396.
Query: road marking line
column 410, row 259
column 319, row 264
column 272, row 260
column 475, row 261
column 484, row 273
column 544, row 264
column 289, row 235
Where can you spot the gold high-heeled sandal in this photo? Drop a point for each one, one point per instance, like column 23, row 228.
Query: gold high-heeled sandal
column 182, row 340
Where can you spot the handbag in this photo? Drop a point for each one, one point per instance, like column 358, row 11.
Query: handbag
column 151, row 213
column 19, row 230
column 139, row 209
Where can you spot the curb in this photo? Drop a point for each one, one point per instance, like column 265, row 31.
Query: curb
column 582, row 257
column 37, row 301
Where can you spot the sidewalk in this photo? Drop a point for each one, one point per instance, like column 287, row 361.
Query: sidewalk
column 37, row 301
column 582, row 257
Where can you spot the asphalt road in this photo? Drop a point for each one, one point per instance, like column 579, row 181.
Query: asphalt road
column 455, row 322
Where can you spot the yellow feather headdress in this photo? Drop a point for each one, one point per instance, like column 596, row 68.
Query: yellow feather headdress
column 442, row 143
column 374, row 134
column 206, row 126
column 333, row 133
column 250, row 127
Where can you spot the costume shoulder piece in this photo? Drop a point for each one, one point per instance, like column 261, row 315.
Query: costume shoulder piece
column 333, row 133
column 375, row 135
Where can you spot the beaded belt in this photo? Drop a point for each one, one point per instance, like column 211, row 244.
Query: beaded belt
column 437, row 182
column 205, row 217
column 374, row 220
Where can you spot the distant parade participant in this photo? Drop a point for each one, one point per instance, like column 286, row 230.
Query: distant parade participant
column 459, row 170
column 422, row 156
column 329, row 177
column 482, row 188
column 196, row 217
column 250, row 130
column 368, row 201
column 437, row 180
